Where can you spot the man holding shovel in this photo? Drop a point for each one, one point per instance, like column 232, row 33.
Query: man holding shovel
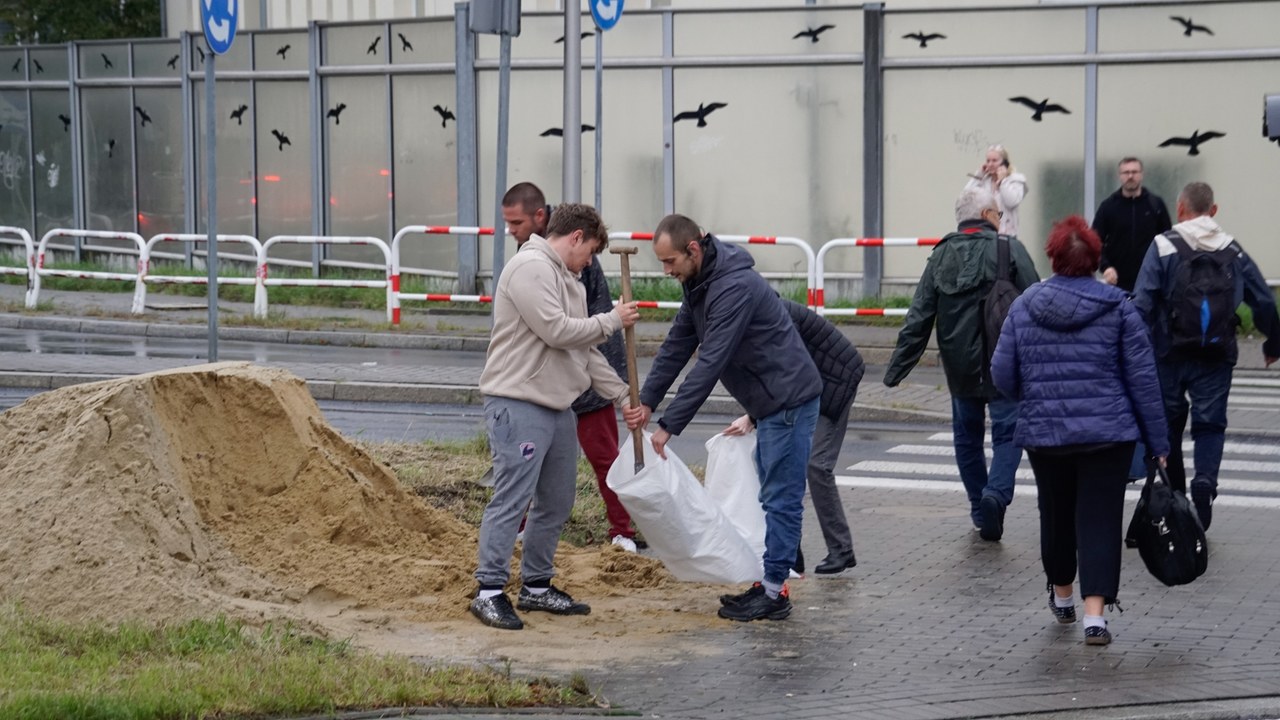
column 746, row 340
column 542, row 355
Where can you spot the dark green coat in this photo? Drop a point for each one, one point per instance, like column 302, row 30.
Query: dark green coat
column 955, row 280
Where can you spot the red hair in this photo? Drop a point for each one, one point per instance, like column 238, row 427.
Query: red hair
column 1073, row 248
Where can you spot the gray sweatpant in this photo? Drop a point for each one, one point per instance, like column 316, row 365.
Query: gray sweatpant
column 535, row 457
column 827, row 439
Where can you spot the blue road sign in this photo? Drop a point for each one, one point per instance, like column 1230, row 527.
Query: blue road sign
column 606, row 13
column 219, row 19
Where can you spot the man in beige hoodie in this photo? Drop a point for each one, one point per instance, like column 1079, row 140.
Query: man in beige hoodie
column 542, row 355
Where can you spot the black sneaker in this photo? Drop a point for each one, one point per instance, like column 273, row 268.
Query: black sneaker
column 835, row 563
column 496, row 612
column 1202, row 496
column 554, row 601
column 1097, row 636
column 1065, row 615
column 992, row 518
column 758, row 606
column 755, row 589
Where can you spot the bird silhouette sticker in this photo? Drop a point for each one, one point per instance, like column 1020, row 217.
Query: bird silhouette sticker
column 281, row 138
column 17, row 64
column 173, row 62
column 585, row 34
column 445, row 115
column 39, row 67
column 106, row 62
column 700, row 114
column 201, row 51
column 143, row 117
column 111, row 148
column 1189, row 27
column 66, row 122
column 812, row 33
column 238, row 114
column 923, row 37
column 1193, row 143
column 336, row 113
column 557, row 132
column 405, row 45
column 373, row 46
column 283, row 51
column 1040, row 108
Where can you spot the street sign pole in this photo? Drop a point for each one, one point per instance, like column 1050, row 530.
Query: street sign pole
column 606, row 14
column 599, row 118
column 219, row 19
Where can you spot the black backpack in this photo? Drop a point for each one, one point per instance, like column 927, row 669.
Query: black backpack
column 1167, row 532
column 997, row 301
column 1202, row 310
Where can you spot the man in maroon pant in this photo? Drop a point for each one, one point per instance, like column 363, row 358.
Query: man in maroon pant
column 525, row 210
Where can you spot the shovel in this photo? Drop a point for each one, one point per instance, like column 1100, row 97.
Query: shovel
column 629, row 335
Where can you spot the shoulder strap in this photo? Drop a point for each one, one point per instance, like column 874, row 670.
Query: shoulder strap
column 1002, row 256
column 1179, row 244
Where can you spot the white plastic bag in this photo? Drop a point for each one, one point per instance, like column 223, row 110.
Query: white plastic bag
column 684, row 527
column 734, row 485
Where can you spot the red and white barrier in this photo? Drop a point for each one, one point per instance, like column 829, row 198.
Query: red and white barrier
column 29, row 269
column 145, row 276
column 394, row 296
column 40, row 270
column 266, row 281
column 819, row 298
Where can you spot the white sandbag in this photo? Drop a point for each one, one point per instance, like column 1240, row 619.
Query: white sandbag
column 684, row 527
column 733, row 483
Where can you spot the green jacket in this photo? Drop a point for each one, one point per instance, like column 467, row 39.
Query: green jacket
column 955, row 280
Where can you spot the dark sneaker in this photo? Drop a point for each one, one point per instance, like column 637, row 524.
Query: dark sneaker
column 1202, row 496
column 992, row 518
column 1097, row 636
column 1065, row 615
column 496, row 612
column 554, row 601
column 755, row 589
column 758, row 606
column 835, row 563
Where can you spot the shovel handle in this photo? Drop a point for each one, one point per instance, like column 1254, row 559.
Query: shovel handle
column 629, row 336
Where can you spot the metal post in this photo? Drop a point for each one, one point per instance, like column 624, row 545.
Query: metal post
column 255, row 181
column 211, row 188
column 1090, row 113
column 464, row 71
column 133, row 140
column 77, row 146
column 189, row 202
column 599, row 119
column 391, row 154
column 31, row 141
column 504, row 102
column 668, row 112
column 319, row 189
column 873, row 144
column 572, row 149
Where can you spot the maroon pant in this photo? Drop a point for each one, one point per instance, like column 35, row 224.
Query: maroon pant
column 598, row 436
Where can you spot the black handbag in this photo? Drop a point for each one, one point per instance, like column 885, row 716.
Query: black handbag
column 1167, row 532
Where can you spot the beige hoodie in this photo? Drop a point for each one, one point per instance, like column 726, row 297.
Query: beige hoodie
column 543, row 346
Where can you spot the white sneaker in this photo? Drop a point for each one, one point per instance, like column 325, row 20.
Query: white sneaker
column 625, row 543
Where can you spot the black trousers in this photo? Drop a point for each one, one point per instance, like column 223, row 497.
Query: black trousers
column 1081, row 497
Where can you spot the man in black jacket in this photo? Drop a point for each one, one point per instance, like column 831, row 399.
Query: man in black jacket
column 841, row 368
column 745, row 339
column 1126, row 222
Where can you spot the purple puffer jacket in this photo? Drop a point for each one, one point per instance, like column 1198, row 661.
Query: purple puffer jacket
column 1076, row 355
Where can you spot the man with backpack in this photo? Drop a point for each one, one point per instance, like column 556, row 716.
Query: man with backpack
column 966, row 289
column 1190, row 284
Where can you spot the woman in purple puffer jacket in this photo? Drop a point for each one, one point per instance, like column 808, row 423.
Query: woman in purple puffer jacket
column 1076, row 355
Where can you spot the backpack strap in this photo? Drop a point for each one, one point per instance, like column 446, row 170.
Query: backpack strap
column 1175, row 237
column 1002, row 257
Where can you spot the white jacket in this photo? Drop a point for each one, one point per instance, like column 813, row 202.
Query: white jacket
column 1009, row 195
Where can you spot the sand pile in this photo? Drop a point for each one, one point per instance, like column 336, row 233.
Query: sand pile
column 220, row 489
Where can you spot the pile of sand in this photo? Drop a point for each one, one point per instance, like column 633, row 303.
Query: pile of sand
column 220, row 489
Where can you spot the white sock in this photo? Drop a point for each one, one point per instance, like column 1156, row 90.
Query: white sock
column 1095, row 621
column 1068, row 601
column 486, row 594
column 535, row 591
column 771, row 589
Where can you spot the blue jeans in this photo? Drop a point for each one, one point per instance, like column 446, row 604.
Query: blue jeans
column 783, row 442
column 1207, row 384
column 968, row 423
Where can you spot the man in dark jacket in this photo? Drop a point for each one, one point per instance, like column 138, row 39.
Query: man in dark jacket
column 745, row 339
column 1126, row 222
column 957, row 277
column 841, row 368
column 1184, row 372
column 525, row 210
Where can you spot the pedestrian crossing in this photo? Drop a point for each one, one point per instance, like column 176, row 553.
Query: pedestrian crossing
column 1248, row 477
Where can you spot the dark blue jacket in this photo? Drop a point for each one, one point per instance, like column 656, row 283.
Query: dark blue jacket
column 1075, row 354
column 744, row 338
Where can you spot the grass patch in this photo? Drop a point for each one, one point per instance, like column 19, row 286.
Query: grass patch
column 219, row 669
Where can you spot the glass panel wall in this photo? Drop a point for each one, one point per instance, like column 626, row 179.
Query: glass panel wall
column 1208, row 26
column 157, row 59
column 280, row 51
column 815, row 31
column 235, row 147
column 106, row 117
column 356, row 45
column 991, row 32
column 359, row 170
column 426, row 177
column 15, row 160
column 49, row 63
column 51, row 123
column 157, row 116
column 422, row 42
column 284, row 178
column 103, row 61
column 13, row 64
column 542, row 37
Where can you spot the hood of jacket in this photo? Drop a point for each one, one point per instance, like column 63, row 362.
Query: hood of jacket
column 718, row 260
column 1065, row 304
column 963, row 267
column 1203, row 233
